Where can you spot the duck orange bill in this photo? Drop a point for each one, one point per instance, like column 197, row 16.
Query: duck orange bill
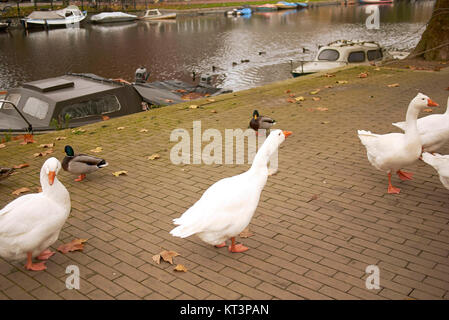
column 431, row 103
column 51, row 177
column 287, row 133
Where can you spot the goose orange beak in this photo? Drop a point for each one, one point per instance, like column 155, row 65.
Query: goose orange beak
column 51, row 177
column 287, row 133
column 431, row 103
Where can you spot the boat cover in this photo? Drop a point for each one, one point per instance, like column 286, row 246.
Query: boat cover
column 109, row 15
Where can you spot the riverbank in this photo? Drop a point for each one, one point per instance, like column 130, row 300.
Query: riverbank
column 322, row 219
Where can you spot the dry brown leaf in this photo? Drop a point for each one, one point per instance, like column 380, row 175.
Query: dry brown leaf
column 291, row 95
column 321, row 109
column 213, row 111
column 104, row 118
column 119, row 173
column 316, row 98
column 2, row 145
column 328, row 75
column 192, row 95
column 428, row 110
column 377, row 69
column 47, row 145
column 288, row 91
column 180, row 268
column 60, row 138
column 154, row 156
column 42, row 154
column 315, row 91
column 168, row 256
column 157, row 258
column 363, row 75
column 290, row 100
column 325, row 122
column 393, row 85
column 210, row 100
column 246, row 233
column 120, row 128
column 328, row 86
column 143, row 130
column 20, row 166
column 74, row 245
column 19, row 191
column 168, row 100
column 97, row 149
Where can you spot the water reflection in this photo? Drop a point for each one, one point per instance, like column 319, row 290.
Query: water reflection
column 173, row 49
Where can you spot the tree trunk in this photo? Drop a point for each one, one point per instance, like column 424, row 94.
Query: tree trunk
column 436, row 35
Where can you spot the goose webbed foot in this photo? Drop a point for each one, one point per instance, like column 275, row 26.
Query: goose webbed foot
column 237, row 247
column 80, row 178
column 40, row 266
column 45, row 255
column 221, row 245
column 404, row 175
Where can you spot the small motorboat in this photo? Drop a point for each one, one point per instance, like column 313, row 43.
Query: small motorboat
column 111, row 17
column 282, row 5
column 155, row 14
column 266, row 7
column 239, row 12
column 60, row 18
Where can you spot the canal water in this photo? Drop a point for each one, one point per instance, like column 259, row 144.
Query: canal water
column 174, row 49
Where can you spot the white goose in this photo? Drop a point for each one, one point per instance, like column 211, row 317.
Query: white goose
column 393, row 151
column 433, row 130
column 226, row 208
column 439, row 163
column 31, row 223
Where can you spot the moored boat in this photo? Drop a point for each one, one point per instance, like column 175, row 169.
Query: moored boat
column 282, row 5
column 155, row 14
column 112, row 17
column 69, row 16
column 266, row 7
column 239, row 12
column 5, row 25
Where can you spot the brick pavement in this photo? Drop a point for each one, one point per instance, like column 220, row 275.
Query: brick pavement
column 321, row 220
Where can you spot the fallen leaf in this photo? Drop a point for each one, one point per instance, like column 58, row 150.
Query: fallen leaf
column 42, row 154
column 180, row 268
column 377, row 69
column 97, row 149
column 143, row 130
column 48, row 145
column 328, row 86
column 19, row 191
column 193, row 106
column 192, row 95
column 316, row 98
column 168, row 100
column 121, row 128
column 20, row 166
column 291, row 95
column 104, row 118
column 157, row 258
column 60, row 138
column 315, row 91
column 341, row 81
column 328, row 75
column 181, row 91
column 393, row 85
column 74, row 245
column 290, row 100
column 363, row 75
column 321, row 109
column 77, row 131
column 210, row 100
column 325, row 122
column 246, row 233
column 119, row 173
column 300, row 98
column 288, row 91
column 428, row 110
column 154, row 156
column 2, row 145
column 213, row 111
column 168, row 256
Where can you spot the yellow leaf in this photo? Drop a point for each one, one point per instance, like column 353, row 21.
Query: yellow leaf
column 119, row 173
column 180, row 268
column 341, row 81
column 393, row 85
column 154, row 157
column 78, row 130
column 2, row 145
column 211, row 100
column 157, row 258
column 325, row 122
column 97, row 149
column 48, row 145
column 120, row 128
column 322, row 109
column 60, row 138
column 328, row 75
column 143, row 130
column 315, row 91
column 300, row 98
column 19, row 191
column 316, row 98
column 213, row 111
column 193, row 106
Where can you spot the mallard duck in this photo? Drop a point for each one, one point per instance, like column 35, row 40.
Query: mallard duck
column 393, row 151
column 32, row 222
column 226, row 208
column 81, row 163
column 433, row 130
column 439, row 163
column 5, row 172
column 261, row 122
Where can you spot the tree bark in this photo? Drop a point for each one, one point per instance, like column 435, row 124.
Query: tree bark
column 436, row 35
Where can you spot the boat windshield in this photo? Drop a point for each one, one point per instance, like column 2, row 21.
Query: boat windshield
column 152, row 13
column 36, row 108
column 374, row 54
column 14, row 98
column 97, row 106
column 357, row 56
column 329, row 55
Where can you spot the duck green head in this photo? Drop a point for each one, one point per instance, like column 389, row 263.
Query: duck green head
column 255, row 114
column 69, row 151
